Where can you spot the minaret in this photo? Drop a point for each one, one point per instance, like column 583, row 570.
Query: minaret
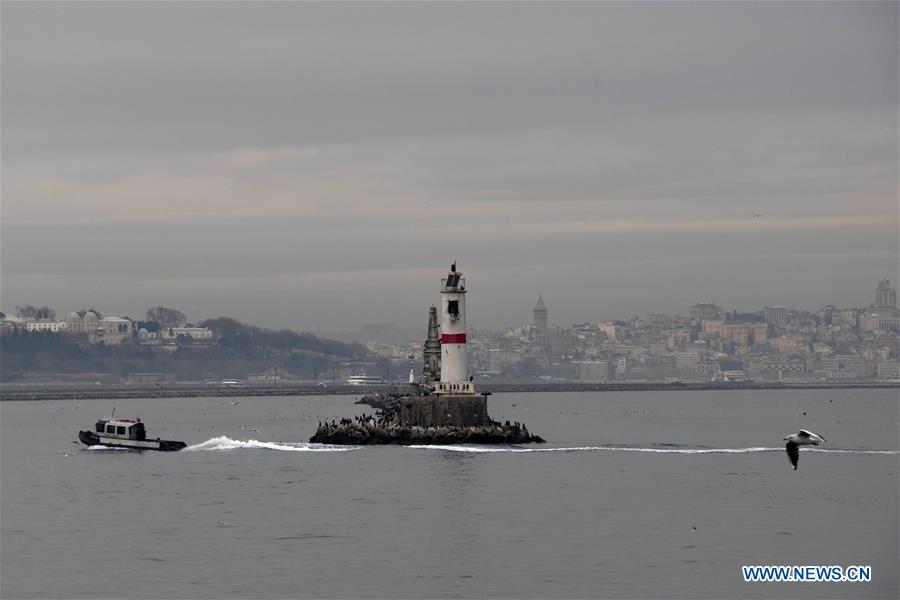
column 431, row 371
column 412, row 370
column 454, row 374
column 539, row 316
column 885, row 295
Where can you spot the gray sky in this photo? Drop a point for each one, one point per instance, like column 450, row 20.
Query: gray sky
column 318, row 166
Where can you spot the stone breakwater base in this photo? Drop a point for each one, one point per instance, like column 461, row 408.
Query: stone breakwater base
column 444, row 411
column 427, row 420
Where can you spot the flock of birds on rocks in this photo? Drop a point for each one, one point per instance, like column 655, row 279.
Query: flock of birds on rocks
column 382, row 429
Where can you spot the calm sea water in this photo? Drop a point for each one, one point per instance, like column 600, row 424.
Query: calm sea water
column 658, row 494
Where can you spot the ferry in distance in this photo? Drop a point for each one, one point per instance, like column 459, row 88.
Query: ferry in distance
column 734, row 376
column 365, row 380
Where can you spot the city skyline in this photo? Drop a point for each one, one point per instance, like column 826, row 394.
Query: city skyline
column 290, row 168
column 884, row 290
column 708, row 344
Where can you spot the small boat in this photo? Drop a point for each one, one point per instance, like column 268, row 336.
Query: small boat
column 126, row 433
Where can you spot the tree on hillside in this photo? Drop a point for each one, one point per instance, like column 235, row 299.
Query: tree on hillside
column 167, row 317
column 224, row 326
column 31, row 312
column 234, row 334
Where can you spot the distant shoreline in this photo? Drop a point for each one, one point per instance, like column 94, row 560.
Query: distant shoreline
column 33, row 393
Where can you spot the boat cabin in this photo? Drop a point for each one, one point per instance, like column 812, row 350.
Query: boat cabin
column 124, row 429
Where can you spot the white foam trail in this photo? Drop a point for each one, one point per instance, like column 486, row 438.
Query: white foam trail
column 485, row 449
column 478, row 449
column 99, row 448
column 226, row 444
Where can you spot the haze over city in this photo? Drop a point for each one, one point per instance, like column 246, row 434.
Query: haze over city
column 284, row 165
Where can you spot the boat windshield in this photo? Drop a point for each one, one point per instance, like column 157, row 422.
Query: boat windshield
column 137, row 432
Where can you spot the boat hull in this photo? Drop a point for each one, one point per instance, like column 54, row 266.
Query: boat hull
column 92, row 439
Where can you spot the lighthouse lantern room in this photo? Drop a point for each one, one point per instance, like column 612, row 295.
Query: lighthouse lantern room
column 454, row 373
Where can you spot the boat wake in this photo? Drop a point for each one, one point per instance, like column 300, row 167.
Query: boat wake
column 100, row 448
column 666, row 450
column 226, row 444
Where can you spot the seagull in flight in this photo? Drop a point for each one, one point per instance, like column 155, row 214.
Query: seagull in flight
column 804, row 438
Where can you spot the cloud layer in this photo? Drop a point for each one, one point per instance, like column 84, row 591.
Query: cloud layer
column 318, row 166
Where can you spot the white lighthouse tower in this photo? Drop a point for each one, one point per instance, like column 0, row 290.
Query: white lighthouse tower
column 454, row 374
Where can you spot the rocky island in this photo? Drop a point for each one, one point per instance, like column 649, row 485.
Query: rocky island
column 368, row 430
column 447, row 409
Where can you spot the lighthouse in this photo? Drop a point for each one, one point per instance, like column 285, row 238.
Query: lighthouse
column 454, row 374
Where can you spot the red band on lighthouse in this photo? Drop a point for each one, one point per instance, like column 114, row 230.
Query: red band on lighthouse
column 453, row 338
